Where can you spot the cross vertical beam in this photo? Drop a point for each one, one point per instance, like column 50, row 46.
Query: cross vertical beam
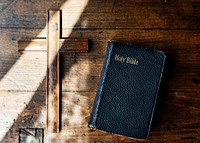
column 53, row 87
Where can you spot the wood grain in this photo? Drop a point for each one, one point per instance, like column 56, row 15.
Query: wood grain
column 65, row 45
column 169, row 26
column 111, row 14
column 74, row 45
column 53, row 78
column 32, row 45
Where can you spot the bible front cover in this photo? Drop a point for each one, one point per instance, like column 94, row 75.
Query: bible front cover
column 127, row 90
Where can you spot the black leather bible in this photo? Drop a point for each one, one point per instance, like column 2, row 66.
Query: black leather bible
column 127, row 90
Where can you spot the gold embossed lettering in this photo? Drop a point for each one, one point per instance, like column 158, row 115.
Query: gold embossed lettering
column 131, row 61
column 120, row 58
column 127, row 60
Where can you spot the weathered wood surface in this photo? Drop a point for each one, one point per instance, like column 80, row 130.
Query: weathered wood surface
column 106, row 14
column 65, row 45
column 32, row 45
column 181, row 47
column 170, row 26
column 53, row 72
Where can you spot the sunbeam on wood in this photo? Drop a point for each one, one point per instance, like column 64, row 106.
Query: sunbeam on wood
column 28, row 67
column 170, row 26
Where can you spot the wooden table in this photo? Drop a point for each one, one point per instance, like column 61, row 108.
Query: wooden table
column 172, row 27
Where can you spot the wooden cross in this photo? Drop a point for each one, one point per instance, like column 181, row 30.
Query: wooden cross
column 53, row 44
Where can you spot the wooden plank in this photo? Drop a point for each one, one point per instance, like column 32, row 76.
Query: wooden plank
column 65, row 45
column 170, row 37
column 17, row 13
column 17, row 34
column 22, row 71
column 135, row 14
column 53, row 83
column 77, row 108
column 111, row 14
column 166, row 110
column 181, row 47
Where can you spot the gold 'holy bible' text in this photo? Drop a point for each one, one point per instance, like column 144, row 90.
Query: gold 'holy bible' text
column 128, row 60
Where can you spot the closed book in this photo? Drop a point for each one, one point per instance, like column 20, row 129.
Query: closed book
column 127, row 90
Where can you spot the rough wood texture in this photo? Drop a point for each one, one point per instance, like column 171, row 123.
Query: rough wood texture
column 170, row 26
column 74, row 45
column 65, row 45
column 53, row 73
column 32, row 45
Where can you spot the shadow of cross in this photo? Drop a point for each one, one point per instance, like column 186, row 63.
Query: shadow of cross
column 53, row 44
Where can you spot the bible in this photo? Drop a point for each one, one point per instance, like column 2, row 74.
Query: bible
column 127, row 90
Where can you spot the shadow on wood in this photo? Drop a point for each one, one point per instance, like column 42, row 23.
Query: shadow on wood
column 167, row 26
